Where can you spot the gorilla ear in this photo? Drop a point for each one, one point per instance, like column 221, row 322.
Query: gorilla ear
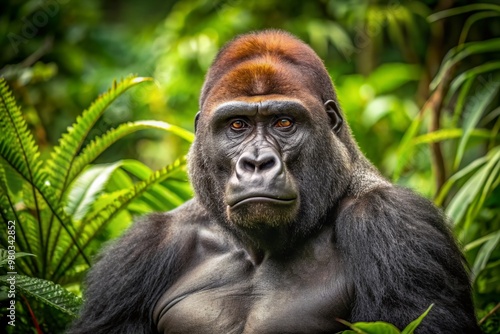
column 196, row 120
column 333, row 111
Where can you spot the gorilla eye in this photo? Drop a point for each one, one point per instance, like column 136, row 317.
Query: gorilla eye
column 283, row 123
column 238, row 125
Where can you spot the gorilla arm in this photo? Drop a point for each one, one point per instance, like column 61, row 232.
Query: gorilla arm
column 402, row 258
column 124, row 285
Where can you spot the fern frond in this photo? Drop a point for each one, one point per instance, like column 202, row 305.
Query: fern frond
column 45, row 191
column 64, row 154
column 7, row 211
column 46, row 292
column 99, row 144
column 14, row 158
column 18, row 148
column 93, row 225
column 18, row 145
column 43, row 188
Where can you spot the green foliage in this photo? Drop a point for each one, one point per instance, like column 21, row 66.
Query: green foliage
column 60, row 205
column 46, row 292
column 63, row 156
column 380, row 327
column 471, row 193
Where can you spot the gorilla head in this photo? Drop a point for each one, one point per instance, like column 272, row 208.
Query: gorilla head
column 270, row 144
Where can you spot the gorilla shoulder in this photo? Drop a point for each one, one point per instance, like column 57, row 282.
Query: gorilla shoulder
column 188, row 224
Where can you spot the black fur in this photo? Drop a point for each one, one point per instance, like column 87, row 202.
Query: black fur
column 130, row 276
column 402, row 258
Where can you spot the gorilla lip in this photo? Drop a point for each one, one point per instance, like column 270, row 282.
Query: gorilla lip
column 263, row 199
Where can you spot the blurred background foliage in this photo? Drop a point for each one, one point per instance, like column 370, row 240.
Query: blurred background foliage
column 417, row 80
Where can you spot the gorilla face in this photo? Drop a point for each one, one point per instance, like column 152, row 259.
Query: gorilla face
column 259, row 140
column 273, row 159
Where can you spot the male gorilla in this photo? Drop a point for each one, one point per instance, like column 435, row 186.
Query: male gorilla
column 290, row 228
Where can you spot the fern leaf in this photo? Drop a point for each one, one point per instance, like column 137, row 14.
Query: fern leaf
column 7, row 211
column 17, row 146
column 46, row 292
column 99, row 144
column 19, row 151
column 64, row 154
column 94, row 224
column 160, row 196
column 49, row 198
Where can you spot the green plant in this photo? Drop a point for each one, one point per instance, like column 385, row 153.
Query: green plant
column 61, row 206
column 379, row 327
column 465, row 146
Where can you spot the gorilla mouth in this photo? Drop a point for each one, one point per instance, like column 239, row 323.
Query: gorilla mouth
column 263, row 199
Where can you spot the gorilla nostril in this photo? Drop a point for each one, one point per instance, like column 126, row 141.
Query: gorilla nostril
column 248, row 166
column 268, row 164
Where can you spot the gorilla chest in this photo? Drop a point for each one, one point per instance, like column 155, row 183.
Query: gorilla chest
column 228, row 294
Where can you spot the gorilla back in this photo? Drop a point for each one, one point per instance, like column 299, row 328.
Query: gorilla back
column 290, row 227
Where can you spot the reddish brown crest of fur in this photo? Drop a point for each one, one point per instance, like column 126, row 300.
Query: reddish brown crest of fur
column 263, row 63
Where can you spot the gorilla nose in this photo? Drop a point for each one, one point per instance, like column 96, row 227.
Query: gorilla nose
column 266, row 163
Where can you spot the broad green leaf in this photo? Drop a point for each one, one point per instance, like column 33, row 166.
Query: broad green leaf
column 87, row 187
column 353, row 329
column 398, row 73
column 377, row 327
column 377, row 109
column 415, row 323
column 137, row 168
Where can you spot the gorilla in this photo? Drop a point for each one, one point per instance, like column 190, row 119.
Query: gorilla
column 290, row 228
